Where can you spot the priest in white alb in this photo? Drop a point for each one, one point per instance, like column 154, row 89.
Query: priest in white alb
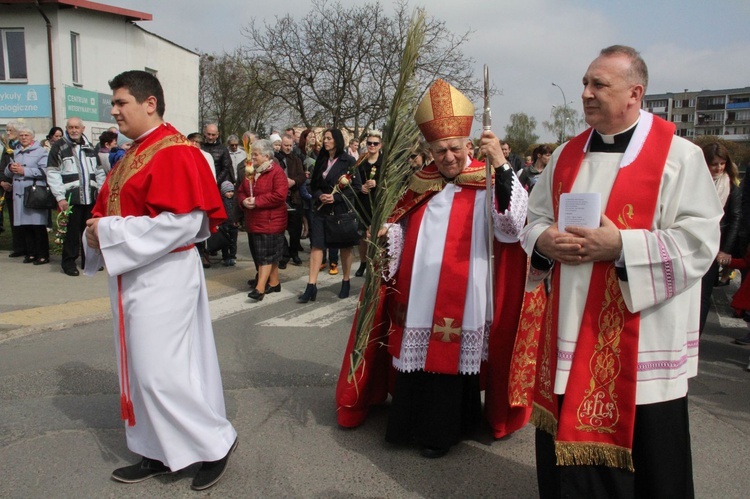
column 619, row 340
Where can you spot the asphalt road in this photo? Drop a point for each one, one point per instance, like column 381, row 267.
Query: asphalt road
column 61, row 436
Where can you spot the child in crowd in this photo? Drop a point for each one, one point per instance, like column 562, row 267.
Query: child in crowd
column 229, row 227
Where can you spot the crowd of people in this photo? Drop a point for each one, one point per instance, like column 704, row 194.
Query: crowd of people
column 617, row 309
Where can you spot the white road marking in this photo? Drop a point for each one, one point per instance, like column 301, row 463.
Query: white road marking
column 313, row 314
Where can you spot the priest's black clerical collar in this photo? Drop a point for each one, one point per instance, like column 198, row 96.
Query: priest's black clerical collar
column 611, row 143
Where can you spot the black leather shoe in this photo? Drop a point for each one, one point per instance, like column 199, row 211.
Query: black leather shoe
column 256, row 295
column 311, row 292
column 253, row 282
column 296, row 260
column 41, row 261
column 433, row 452
column 28, row 259
column 16, row 254
column 144, row 470
column 282, row 264
column 211, row 472
column 344, row 293
column 72, row 272
column 273, row 289
column 361, row 270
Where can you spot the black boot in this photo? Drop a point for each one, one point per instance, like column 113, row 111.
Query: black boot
column 311, row 292
column 344, row 293
column 361, row 270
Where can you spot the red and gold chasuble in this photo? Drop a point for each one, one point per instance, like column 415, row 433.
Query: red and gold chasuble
column 595, row 424
column 370, row 385
column 161, row 173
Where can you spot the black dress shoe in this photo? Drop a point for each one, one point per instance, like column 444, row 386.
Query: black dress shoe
column 16, row 254
column 253, row 282
column 28, row 259
column 296, row 260
column 433, row 452
column 256, row 295
column 282, row 264
column 71, row 272
column 144, row 470
column 41, row 261
column 273, row 289
column 211, row 472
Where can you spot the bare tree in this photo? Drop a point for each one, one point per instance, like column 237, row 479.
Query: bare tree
column 229, row 97
column 338, row 65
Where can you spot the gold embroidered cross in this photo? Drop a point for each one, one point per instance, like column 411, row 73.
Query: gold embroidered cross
column 445, row 331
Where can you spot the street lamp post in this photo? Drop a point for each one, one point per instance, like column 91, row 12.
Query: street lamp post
column 565, row 109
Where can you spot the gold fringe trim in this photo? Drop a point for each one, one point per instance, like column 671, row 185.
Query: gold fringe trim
column 543, row 419
column 593, row 454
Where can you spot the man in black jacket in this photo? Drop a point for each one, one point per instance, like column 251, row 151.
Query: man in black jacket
column 222, row 160
column 75, row 177
column 295, row 173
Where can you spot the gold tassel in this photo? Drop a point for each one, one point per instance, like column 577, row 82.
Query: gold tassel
column 543, row 419
column 593, row 454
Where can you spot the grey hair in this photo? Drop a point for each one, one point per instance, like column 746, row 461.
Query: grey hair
column 232, row 137
column 638, row 70
column 15, row 125
column 23, row 127
column 264, row 147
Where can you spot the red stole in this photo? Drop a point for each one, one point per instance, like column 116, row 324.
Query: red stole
column 595, row 424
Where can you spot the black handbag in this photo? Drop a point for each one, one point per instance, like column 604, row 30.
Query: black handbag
column 38, row 197
column 342, row 229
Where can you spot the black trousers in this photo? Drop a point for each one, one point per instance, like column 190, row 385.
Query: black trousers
column 294, row 226
column 707, row 287
column 17, row 240
column 434, row 410
column 661, row 457
column 34, row 240
column 71, row 249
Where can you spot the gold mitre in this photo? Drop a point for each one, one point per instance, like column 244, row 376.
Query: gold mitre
column 444, row 113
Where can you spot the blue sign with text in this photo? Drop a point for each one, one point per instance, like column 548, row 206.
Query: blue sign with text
column 25, row 101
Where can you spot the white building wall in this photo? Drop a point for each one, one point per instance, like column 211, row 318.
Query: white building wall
column 109, row 44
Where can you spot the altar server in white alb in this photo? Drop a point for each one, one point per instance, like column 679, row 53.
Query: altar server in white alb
column 159, row 200
column 620, row 338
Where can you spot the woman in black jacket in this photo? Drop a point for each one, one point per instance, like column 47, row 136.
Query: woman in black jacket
column 334, row 185
column 726, row 180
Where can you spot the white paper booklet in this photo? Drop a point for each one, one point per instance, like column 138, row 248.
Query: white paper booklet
column 583, row 209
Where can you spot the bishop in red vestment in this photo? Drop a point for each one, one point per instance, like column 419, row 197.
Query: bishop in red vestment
column 435, row 331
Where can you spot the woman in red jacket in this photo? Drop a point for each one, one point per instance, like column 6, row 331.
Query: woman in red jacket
column 262, row 195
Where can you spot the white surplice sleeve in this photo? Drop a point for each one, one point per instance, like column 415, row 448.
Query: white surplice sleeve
column 674, row 256
column 509, row 223
column 132, row 242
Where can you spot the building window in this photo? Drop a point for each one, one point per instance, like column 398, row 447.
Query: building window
column 692, row 103
column 12, row 55
column 75, row 56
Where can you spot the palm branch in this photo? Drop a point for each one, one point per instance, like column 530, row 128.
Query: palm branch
column 399, row 137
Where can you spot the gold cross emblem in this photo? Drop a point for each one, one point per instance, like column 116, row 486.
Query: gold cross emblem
column 446, row 332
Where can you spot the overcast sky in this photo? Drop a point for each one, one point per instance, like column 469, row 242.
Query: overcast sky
column 529, row 44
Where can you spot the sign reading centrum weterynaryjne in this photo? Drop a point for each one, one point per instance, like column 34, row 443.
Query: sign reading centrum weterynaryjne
column 87, row 105
column 24, row 101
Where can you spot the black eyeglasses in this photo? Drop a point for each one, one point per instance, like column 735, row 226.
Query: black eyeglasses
column 412, row 156
column 373, row 143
